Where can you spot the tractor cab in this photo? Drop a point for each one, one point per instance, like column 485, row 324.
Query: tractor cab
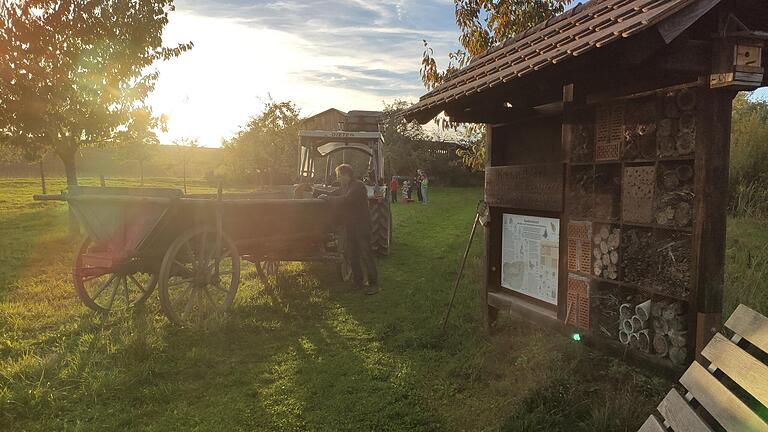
column 357, row 141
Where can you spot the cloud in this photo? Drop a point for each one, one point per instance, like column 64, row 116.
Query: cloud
column 349, row 54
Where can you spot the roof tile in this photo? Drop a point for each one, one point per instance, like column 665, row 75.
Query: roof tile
column 579, row 30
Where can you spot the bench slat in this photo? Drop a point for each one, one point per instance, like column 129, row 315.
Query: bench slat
column 726, row 408
column 745, row 370
column 750, row 325
column 679, row 414
column 652, row 425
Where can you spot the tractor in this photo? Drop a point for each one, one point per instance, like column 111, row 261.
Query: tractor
column 357, row 141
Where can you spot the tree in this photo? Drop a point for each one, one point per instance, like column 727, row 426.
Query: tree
column 73, row 73
column 483, row 24
column 186, row 146
column 408, row 147
column 266, row 148
column 139, row 142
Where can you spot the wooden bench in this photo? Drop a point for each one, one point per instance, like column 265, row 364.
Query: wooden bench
column 718, row 404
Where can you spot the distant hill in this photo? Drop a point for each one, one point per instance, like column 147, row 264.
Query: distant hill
column 92, row 162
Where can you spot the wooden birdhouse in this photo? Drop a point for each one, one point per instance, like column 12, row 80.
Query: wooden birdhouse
column 738, row 63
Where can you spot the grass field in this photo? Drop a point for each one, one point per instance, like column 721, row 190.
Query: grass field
column 317, row 356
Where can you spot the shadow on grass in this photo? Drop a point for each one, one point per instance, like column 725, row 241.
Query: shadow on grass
column 27, row 235
column 294, row 361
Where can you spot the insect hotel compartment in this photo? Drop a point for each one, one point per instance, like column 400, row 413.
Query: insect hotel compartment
column 674, row 194
column 583, row 136
column 639, row 260
column 638, row 187
column 606, row 240
column 581, row 186
column 578, row 301
column 607, row 202
column 609, row 131
column 676, row 132
column 640, row 129
column 669, row 330
column 606, row 299
column 674, row 254
column 580, row 247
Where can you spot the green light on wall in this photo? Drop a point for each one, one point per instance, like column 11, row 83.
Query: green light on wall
column 576, row 337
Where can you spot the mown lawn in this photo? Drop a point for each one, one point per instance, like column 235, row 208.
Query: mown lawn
column 317, row 356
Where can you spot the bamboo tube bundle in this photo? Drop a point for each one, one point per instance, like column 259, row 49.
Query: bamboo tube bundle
column 626, row 325
column 643, row 310
column 638, row 324
column 624, row 337
column 625, row 311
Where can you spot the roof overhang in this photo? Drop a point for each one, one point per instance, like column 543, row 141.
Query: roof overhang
column 583, row 31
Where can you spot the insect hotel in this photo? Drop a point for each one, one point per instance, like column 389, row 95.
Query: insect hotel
column 607, row 166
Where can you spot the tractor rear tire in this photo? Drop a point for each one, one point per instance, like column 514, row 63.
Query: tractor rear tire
column 381, row 226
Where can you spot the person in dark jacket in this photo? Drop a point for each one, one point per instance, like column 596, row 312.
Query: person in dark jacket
column 352, row 197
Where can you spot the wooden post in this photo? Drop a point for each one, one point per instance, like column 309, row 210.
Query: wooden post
column 573, row 98
column 490, row 314
column 42, row 177
column 713, row 129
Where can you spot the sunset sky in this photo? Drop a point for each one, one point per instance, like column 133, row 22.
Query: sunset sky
column 346, row 54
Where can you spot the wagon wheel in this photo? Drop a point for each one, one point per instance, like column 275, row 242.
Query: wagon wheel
column 270, row 268
column 104, row 288
column 344, row 267
column 198, row 278
column 345, row 270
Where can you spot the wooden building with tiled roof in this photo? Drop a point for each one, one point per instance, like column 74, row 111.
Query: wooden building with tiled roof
column 608, row 136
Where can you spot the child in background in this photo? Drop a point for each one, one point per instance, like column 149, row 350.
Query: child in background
column 393, row 186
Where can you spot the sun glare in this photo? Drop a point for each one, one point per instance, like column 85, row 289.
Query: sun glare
column 233, row 70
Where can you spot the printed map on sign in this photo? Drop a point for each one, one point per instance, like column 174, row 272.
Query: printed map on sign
column 529, row 256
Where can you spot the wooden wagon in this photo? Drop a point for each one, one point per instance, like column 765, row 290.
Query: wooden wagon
column 191, row 245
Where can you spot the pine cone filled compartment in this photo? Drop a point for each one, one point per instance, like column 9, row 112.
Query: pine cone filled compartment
column 581, row 188
column 640, row 129
column 607, row 192
column 676, row 132
column 583, row 149
column 639, row 260
column 674, row 194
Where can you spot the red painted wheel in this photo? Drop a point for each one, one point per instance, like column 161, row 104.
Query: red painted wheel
column 103, row 285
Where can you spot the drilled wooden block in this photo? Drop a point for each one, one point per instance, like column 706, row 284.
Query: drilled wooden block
column 609, row 134
column 579, row 247
column 573, row 255
column 578, row 301
column 637, row 194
